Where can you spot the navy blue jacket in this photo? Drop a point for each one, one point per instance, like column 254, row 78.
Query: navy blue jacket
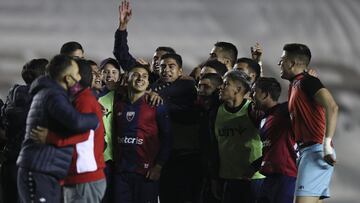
column 51, row 108
column 14, row 115
column 180, row 96
column 122, row 55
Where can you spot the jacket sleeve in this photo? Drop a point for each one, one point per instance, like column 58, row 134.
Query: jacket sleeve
column 164, row 125
column 60, row 108
column 121, row 50
column 61, row 141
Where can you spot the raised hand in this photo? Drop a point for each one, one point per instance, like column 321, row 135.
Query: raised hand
column 256, row 52
column 312, row 72
column 125, row 13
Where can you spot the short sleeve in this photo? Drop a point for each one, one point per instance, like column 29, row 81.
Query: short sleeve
column 311, row 85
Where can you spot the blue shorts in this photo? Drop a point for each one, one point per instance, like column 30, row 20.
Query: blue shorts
column 277, row 188
column 314, row 174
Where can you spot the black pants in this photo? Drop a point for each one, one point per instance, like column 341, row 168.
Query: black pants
column 242, row 190
column 9, row 182
column 108, row 170
column 38, row 187
column 180, row 179
column 134, row 188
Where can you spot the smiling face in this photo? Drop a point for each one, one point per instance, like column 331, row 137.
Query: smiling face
column 170, row 70
column 111, row 74
column 138, row 79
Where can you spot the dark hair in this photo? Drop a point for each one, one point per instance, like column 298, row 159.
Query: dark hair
column 270, row 86
column 229, row 50
column 253, row 65
column 58, row 65
column 109, row 61
column 298, row 52
column 239, row 76
column 168, row 50
column 214, row 78
column 33, row 69
column 92, row 63
column 176, row 57
column 216, row 65
column 139, row 65
column 69, row 47
column 85, row 72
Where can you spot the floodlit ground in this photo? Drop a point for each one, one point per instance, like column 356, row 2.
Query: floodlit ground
column 37, row 28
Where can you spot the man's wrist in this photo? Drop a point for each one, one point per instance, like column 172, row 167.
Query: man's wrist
column 327, row 146
column 122, row 27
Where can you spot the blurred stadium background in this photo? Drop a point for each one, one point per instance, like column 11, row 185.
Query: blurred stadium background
column 37, row 28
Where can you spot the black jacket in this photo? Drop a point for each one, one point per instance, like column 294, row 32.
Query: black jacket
column 14, row 115
column 51, row 108
column 123, row 56
column 180, row 96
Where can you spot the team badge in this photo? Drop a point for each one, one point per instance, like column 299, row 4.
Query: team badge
column 130, row 115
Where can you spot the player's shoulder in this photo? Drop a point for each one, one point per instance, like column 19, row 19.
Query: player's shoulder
column 309, row 79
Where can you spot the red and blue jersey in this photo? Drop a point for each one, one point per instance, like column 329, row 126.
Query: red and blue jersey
column 307, row 116
column 142, row 135
column 279, row 155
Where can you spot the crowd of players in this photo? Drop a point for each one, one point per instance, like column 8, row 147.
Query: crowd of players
column 129, row 131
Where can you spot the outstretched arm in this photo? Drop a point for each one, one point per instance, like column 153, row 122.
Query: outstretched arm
column 43, row 135
column 59, row 107
column 121, row 48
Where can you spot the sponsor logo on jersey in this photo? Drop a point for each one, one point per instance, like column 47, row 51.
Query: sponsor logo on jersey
column 130, row 140
column 226, row 132
column 130, row 115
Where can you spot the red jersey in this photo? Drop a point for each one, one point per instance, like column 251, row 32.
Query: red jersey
column 142, row 136
column 87, row 164
column 307, row 116
column 279, row 155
